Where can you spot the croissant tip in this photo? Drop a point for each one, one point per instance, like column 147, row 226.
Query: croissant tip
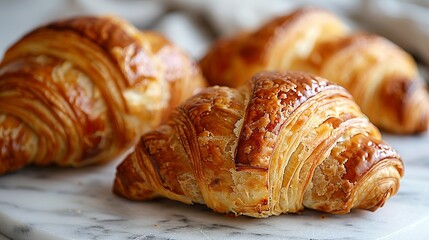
column 382, row 201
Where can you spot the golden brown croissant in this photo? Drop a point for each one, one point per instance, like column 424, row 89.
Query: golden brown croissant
column 382, row 78
column 82, row 90
column 280, row 143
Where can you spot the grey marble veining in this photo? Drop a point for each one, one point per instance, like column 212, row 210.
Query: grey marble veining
column 53, row 203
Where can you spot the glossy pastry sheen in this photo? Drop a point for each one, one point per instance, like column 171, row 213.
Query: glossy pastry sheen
column 382, row 78
column 282, row 142
column 82, row 90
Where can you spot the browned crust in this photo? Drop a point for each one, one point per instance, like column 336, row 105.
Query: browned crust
column 275, row 96
column 362, row 154
column 254, row 116
column 273, row 46
column 249, row 47
column 253, row 51
column 88, row 77
column 397, row 96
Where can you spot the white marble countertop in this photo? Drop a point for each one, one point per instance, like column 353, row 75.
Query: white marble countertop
column 53, row 203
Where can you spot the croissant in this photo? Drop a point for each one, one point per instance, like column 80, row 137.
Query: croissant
column 83, row 90
column 382, row 78
column 280, row 143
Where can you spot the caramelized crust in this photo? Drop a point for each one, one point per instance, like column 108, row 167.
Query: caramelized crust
column 82, row 90
column 274, row 46
column 280, row 143
column 279, row 99
column 382, row 78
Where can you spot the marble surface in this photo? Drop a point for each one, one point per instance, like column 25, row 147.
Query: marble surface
column 53, row 203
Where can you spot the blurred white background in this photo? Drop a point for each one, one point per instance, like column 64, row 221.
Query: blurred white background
column 194, row 24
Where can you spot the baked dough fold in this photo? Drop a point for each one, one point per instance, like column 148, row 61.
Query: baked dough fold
column 83, row 90
column 282, row 142
column 382, row 78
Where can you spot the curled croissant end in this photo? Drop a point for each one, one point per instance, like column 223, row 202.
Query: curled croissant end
column 280, row 143
column 382, row 78
column 83, row 90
